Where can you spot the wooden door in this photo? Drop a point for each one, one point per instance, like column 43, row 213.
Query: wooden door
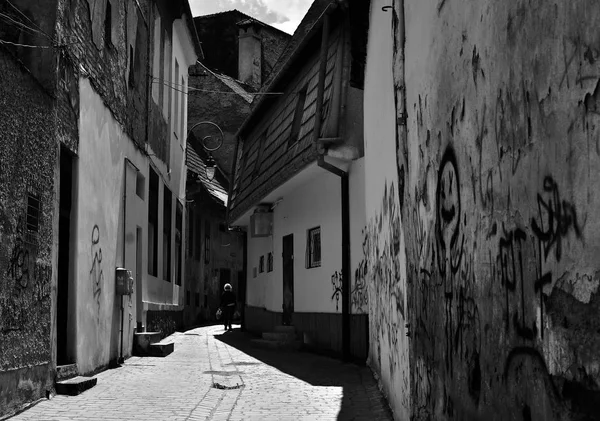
column 288, row 279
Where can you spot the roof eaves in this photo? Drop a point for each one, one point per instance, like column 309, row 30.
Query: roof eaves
column 285, row 66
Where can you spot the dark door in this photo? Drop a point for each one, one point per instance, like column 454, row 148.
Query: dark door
column 288, row 279
column 64, row 234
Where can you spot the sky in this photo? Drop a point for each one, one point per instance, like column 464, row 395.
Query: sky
column 282, row 14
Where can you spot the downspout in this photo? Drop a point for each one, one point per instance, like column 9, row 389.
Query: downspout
column 345, row 193
column 231, row 179
column 127, row 160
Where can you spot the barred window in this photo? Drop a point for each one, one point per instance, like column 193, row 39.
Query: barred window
column 261, row 264
column 313, row 248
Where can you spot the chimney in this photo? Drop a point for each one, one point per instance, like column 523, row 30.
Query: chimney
column 250, row 53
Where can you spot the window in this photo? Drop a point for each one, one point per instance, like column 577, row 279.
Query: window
column 157, row 86
column 166, row 57
column 33, row 212
column 187, row 297
column 207, row 242
column 297, row 122
column 270, row 262
column 197, row 299
column 313, row 248
column 261, row 264
column 178, row 242
column 198, row 240
column 153, row 224
column 167, row 234
column 176, row 94
column 139, row 185
column 131, row 72
column 190, row 229
column 108, row 24
column 183, row 88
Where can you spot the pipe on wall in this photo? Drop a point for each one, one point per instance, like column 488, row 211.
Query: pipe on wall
column 345, row 191
column 127, row 161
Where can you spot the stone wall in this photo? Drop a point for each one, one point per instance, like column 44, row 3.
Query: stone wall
column 28, row 152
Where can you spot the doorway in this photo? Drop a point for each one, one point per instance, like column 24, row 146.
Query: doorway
column 288, row 279
column 63, row 356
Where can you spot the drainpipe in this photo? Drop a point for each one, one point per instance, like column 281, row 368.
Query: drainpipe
column 127, row 161
column 345, row 191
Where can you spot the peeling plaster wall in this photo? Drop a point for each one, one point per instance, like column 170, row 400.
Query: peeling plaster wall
column 28, row 153
column 98, row 207
column 383, row 243
column 499, row 184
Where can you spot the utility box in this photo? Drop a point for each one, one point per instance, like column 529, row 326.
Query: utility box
column 124, row 282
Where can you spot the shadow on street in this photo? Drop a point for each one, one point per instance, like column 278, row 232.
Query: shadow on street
column 361, row 397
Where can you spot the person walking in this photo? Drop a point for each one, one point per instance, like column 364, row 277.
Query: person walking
column 228, row 306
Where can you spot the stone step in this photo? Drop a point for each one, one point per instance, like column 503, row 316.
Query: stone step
column 279, row 336
column 285, row 329
column 278, row 345
column 65, row 372
column 161, row 349
column 75, row 386
column 142, row 342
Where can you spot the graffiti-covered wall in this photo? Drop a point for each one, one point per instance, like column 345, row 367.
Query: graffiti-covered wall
column 28, row 153
column 383, row 268
column 498, row 185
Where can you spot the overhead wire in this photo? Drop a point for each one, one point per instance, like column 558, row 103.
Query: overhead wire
column 26, row 17
column 28, row 29
column 173, row 84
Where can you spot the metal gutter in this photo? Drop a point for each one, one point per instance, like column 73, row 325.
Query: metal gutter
column 231, row 179
column 345, row 189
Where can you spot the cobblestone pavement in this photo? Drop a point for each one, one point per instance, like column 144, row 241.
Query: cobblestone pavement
column 213, row 375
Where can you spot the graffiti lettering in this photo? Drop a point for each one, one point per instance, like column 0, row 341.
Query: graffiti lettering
column 336, row 283
column 359, row 295
column 96, row 273
column 560, row 218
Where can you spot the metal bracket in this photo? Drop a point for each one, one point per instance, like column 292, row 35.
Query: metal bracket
column 401, row 120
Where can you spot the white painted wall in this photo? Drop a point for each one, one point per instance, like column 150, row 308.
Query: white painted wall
column 317, row 202
column 384, row 240
column 98, row 207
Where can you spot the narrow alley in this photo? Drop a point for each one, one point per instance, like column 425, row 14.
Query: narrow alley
column 213, row 375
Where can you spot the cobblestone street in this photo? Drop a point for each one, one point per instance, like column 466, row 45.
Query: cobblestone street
column 213, row 375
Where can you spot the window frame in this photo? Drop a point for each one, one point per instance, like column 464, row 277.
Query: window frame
column 311, row 260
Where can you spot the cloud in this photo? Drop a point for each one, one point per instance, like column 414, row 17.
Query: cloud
column 258, row 9
column 282, row 14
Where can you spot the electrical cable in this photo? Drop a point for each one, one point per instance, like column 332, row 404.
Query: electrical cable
column 29, row 30
column 26, row 17
column 24, row 45
column 172, row 84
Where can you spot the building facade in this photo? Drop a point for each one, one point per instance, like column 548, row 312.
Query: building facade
column 115, row 195
column 298, row 189
column 233, row 44
column 481, row 162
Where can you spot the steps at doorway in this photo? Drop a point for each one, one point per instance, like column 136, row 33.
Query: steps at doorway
column 66, row 372
column 279, row 336
column 75, row 385
column 149, row 344
column 285, row 329
column 283, row 338
column 278, row 345
column 161, row 349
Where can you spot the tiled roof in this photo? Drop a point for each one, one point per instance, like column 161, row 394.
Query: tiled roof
column 235, row 11
column 196, row 165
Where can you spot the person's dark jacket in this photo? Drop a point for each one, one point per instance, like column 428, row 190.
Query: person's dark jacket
column 227, row 299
